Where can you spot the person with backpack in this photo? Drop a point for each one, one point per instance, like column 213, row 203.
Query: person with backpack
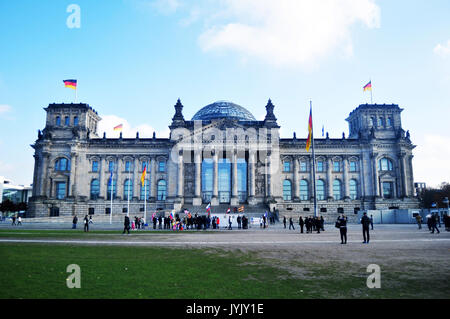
column 126, row 225
column 74, row 222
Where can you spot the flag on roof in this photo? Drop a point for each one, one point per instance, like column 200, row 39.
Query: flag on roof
column 72, row 84
column 368, row 86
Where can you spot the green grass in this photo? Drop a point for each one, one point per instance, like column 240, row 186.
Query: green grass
column 39, row 271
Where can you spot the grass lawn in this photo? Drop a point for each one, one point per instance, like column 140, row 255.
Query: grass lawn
column 39, row 271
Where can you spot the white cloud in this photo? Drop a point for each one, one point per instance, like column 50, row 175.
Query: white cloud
column 430, row 161
column 108, row 123
column 442, row 50
column 288, row 32
column 4, row 109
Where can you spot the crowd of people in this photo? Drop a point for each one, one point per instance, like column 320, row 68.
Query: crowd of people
column 310, row 223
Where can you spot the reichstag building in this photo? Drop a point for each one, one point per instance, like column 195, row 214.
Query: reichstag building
column 225, row 157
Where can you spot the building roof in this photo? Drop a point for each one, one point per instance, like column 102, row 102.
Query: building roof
column 223, row 109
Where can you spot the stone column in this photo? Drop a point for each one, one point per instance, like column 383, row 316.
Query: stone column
column 251, row 173
column 103, row 179
column 153, row 180
column 329, row 181
column 180, row 184
column 311, row 178
column 404, row 174
column 376, row 184
column 136, row 179
column 234, row 180
column 119, row 179
column 345, row 178
column 198, row 178
column 296, row 179
column 268, row 176
column 362, row 186
column 215, row 175
column 73, row 169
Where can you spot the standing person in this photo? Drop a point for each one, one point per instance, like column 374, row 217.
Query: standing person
column 218, row 222
column 419, row 220
column 291, row 224
column 126, row 225
column 317, row 223
column 322, row 223
column 90, row 220
column 371, row 222
column 434, row 223
column 143, row 222
column 86, row 223
column 74, row 222
column 159, row 221
column 13, row 220
column 19, row 221
column 284, row 221
column 239, row 220
column 301, row 223
column 342, row 224
column 229, row 223
column 365, row 221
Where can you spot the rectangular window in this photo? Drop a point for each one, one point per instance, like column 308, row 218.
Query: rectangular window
column 320, row 166
column 287, row 166
column 353, row 166
column 61, row 190
column 336, row 166
column 111, row 166
column 95, row 166
column 162, row 166
column 128, row 166
column 387, row 190
column 303, row 166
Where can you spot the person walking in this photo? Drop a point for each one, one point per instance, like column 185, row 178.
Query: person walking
column 419, row 220
column 19, row 221
column 434, row 223
column 74, row 222
column 86, row 223
column 284, row 221
column 365, row 221
column 90, row 220
column 14, row 220
column 230, row 221
column 371, row 222
column 301, row 224
column 342, row 224
column 291, row 224
column 126, row 225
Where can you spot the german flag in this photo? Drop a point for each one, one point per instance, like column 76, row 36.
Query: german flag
column 143, row 175
column 118, row 127
column 72, row 84
column 310, row 127
column 368, row 86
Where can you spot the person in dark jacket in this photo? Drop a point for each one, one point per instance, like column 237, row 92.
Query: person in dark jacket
column 291, row 223
column 342, row 223
column 74, row 222
column 434, row 223
column 284, row 221
column 126, row 225
column 86, row 223
column 301, row 223
column 365, row 221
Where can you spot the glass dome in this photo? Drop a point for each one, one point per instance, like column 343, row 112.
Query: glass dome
column 223, row 109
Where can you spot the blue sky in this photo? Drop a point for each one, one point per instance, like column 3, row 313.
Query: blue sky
column 134, row 58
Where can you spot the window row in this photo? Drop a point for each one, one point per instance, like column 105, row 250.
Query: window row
column 337, row 166
column 128, row 166
column 381, row 121
column 161, row 190
column 320, row 189
column 66, row 121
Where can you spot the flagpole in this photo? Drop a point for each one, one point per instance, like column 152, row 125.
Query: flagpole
column 313, row 161
column 128, row 204
column 145, row 200
column 371, row 92
column 76, row 97
column 112, row 185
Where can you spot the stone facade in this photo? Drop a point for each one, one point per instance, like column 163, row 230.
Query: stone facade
column 250, row 165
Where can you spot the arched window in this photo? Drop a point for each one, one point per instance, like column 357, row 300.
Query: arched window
column 353, row 166
column 287, row 190
column 353, row 189
column 380, row 122
column 304, row 189
column 66, row 121
column 385, row 164
column 62, row 165
column 95, row 189
column 389, row 121
column 145, row 190
column 75, row 121
column 337, row 189
column 320, row 189
column 58, row 121
column 128, row 189
column 162, row 189
column 111, row 186
column 372, row 121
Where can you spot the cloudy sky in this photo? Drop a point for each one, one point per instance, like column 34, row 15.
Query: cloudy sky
column 134, row 58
